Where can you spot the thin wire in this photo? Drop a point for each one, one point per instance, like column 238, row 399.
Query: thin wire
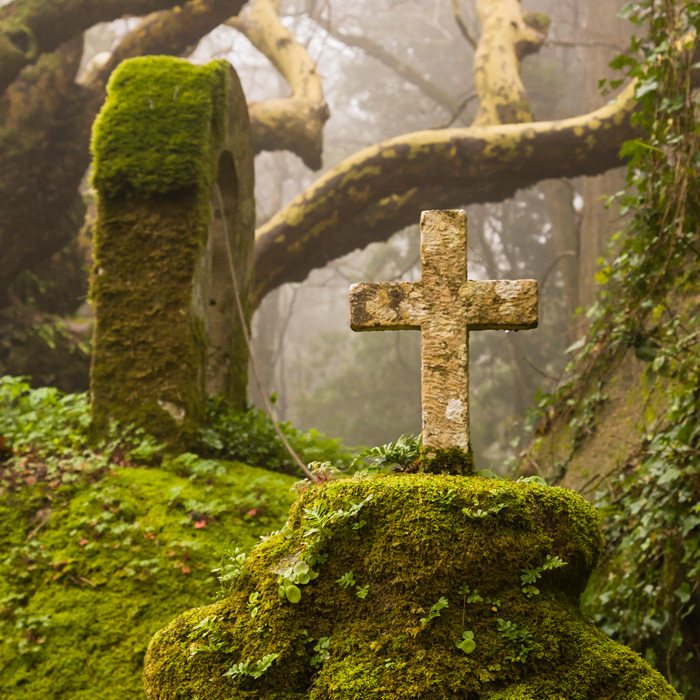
column 246, row 338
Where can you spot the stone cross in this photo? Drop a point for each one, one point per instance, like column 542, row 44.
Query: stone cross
column 444, row 305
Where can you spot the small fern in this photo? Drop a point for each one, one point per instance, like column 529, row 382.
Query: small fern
column 394, row 456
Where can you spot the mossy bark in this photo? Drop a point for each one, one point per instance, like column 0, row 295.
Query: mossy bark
column 387, row 550
column 29, row 28
column 43, row 151
column 171, row 145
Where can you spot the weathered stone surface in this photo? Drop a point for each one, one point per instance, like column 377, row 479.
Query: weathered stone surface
column 445, row 305
column 171, row 145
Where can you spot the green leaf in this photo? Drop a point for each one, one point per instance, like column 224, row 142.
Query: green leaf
column 647, row 86
column 575, row 346
column 467, row 643
column 668, row 476
column 683, row 592
column 293, row 594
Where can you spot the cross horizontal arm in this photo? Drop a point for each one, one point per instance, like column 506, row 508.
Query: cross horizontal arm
column 385, row 306
column 500, row 305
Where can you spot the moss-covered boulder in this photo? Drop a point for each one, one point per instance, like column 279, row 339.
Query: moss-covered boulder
column 93, row 563
column 409, row 587
column 173, row 171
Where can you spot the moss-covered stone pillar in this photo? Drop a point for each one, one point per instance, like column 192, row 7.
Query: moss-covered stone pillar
column 173, row 170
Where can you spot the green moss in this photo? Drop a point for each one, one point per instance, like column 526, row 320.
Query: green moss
column 453, row 461
column 538, row 21
column 154, row 149
column 90, row 572
column 409, row 540
column 160, row 126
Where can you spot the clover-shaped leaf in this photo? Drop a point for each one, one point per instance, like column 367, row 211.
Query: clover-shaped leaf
column 467, row 643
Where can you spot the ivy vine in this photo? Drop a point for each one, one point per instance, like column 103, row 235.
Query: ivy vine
column 648, row 304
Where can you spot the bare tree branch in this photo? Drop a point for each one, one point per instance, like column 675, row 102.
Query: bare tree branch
column 409, row 74
column 586, row 44
column 457, row 13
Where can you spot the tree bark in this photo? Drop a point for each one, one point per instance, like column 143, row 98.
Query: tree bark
column 598, row 223
column 299, row 119
column 46, row 121
column 559, row 196
column 169, row 32
column 507, row 36
column 43, row 151
column 30, row 28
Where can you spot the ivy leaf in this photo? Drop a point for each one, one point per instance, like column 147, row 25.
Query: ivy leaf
column 647, row 86
column 668, row 476
column 683, row 592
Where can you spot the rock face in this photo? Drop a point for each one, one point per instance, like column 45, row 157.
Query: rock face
column 410, row 587
column 173, row 171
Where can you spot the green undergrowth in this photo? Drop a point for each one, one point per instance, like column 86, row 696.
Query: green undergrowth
column 45, row 436
column 408, row 586
column 250, row 437
column 90, row 570
column 103, row 542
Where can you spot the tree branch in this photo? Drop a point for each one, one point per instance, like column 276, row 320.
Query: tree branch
column 507, row 36
column 382, row 188
column 457, row 13
column 43, row 151
column 29, row 29
column 409, row 74
column 290, row 124
column 168, row 32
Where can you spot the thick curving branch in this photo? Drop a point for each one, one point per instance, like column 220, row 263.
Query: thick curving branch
column 507, row 36
column 287, row 124
column 477, row 164
column 30, row 28
column 43, row 151
column 169, row 32
column 46, row 119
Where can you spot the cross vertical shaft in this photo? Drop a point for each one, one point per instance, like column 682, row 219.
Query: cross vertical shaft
column 444, row 332
column 444, row 305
